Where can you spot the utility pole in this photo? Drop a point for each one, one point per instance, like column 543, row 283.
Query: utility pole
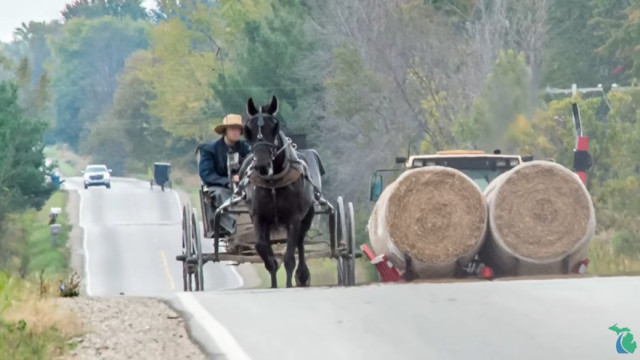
column 581, row 156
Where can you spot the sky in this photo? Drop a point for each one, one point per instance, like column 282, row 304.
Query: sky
column 15, row 12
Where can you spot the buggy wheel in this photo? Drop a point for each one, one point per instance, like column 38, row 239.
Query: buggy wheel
column 351, row 247
column 187, row 251
column 197, row 237
column 341, row 271
column 162, row 187
column 151, row 184
column 333, row 233
column 341, row 241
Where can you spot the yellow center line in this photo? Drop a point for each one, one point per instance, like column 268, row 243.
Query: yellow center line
column 166, row 270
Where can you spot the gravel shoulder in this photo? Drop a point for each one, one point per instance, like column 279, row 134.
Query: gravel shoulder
column 130, row 328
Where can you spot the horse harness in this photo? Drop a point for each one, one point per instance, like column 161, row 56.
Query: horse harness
column 294, row 168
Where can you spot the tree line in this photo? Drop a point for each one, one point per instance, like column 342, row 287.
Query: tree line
column 362, row 79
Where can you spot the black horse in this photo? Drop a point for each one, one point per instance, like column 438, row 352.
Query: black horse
column 279, row 192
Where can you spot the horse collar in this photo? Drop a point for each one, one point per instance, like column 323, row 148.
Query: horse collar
column 291, row 174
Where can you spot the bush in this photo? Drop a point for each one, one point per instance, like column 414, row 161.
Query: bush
column 626, row 243
column 17, row 342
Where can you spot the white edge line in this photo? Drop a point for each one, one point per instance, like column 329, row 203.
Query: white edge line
column 85, row 246
column 218, row 333
column 175, row 194
column 240, row 279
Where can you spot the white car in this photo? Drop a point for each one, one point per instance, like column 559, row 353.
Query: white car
column 97, row 175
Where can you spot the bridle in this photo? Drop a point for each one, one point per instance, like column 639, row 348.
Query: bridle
column 274, row 149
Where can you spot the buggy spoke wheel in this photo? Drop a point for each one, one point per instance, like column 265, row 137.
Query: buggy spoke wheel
column 341, row 239
column 333, row 233
column 187, row 251
column 341, row 279
column 197, row 247
column 351, row 247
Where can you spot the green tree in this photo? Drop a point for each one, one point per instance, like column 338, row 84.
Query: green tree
column 86, row 63
column 179, row 78
column 93, row 9
column 35, row 35
column 622, row 34
column 127, row 137
column 271, row 62
column 504, row 97
column 578, row 34
column 22, row 163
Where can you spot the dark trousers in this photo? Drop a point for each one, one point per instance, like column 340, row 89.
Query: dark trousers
column 217, row 196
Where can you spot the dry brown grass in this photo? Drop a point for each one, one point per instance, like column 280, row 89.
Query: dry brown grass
column 41, row 315
column 35, row 303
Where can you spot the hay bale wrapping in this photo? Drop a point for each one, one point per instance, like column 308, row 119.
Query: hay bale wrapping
column 540, row 214
column 435, row 215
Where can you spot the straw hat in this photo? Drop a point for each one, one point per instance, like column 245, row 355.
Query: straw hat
column 229, row 120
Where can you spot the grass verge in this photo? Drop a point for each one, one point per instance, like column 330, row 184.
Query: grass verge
column 605, row 261
column 42, row 256
column 32, row 325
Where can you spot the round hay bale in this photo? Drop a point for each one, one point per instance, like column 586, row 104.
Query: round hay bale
column 541, row 219
column 434, row 215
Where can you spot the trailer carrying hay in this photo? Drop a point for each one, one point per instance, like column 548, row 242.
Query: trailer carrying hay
column 541, row 219
column 433, row 215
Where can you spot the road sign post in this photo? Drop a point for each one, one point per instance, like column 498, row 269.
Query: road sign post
column 55, row 230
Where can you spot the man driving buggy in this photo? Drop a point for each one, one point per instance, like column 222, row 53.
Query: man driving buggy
column 213, row 168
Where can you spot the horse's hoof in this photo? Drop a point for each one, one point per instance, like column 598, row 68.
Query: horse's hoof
column 305, row 283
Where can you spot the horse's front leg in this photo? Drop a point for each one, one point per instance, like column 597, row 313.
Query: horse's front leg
column 293, row 232
column 263, row 247
column 303, row 275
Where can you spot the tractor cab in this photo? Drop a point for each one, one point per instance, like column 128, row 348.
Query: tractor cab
column 481, row 167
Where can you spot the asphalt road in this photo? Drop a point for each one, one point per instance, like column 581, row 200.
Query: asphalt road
column 131, row 237
column 516, row 319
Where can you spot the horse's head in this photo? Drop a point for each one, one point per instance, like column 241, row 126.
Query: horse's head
column 261, row 131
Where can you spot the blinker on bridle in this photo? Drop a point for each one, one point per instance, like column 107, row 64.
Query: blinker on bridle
column 260, row 118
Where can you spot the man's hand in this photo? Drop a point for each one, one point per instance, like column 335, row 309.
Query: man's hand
column 234, row 180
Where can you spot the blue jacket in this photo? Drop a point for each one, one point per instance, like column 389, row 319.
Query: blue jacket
column 213, row 161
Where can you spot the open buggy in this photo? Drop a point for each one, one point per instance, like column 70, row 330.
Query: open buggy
column 230, row 230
